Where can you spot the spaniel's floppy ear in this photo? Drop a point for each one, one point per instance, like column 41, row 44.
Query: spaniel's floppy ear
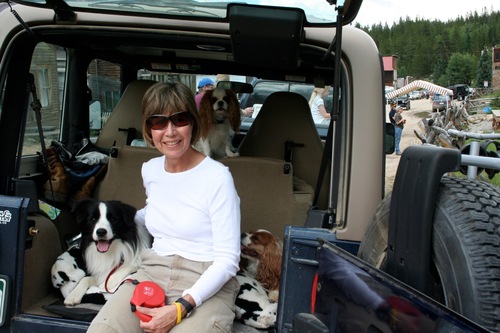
column 206, row 113
column 269, row 268
column 234, row 111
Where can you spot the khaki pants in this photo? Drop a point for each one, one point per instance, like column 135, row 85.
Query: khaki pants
column 173, row 274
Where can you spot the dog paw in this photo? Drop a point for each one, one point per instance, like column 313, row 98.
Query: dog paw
column 76, row 295
column 265, row 322
column 231, row 154
column 73, row 299
column 273, row 296
column 265, row 319
column 67, row 288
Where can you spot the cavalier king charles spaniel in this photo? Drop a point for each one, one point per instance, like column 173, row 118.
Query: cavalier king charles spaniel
column 259, row 279
column 220, row 117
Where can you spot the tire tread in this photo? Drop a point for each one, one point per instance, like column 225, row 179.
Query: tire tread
column 478, row 202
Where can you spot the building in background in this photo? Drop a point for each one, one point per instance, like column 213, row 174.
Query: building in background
column 495, row 84
column 390, row 70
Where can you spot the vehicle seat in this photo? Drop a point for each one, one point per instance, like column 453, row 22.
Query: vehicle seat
column 269, row 199
column 286, row 116
column 38, row 261
column 126, row 117
column 123, row 180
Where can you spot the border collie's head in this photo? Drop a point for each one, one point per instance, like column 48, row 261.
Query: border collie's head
column 102, row 222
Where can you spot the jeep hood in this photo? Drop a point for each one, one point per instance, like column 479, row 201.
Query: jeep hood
column 317, row 12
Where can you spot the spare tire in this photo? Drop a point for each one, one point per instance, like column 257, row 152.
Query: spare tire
column 466, row 248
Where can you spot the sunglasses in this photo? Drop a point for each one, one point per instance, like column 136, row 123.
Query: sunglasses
column 160, row 121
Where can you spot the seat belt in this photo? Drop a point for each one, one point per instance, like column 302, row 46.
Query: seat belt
column 289, row 145
column 36, row 106
column 325, row 158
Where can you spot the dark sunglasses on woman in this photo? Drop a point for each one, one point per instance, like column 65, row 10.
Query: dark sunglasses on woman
column 160, row 121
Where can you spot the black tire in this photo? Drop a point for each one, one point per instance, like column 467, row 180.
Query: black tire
column 466, row 254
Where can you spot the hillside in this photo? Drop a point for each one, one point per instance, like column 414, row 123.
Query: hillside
column 425, row 48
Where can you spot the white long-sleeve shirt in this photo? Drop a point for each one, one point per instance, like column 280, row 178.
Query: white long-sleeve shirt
column 194, row 214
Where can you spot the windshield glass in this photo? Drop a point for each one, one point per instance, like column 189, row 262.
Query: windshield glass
column 317, row 11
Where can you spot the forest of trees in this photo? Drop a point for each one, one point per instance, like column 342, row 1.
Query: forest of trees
column 446, row 53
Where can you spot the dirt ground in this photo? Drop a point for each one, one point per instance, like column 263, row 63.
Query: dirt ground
column 419, row 109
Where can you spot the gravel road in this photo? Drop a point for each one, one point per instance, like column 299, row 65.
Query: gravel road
column 419, row 109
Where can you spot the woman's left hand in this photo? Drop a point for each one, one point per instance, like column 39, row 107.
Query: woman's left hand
column 162, row 319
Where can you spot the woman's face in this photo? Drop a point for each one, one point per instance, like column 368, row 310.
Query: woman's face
column 172, row 141
column 325, row 93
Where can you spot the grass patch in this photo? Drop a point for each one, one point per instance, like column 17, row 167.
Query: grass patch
column 495, row 102
column 482, row 176
column 423, row 114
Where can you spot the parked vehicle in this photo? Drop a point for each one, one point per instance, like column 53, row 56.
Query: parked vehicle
column 415, row 95
column 403, row 101
column 440, row 103
column 428, row 250
column 460, row 91
column 263, row 88
column 425, row 93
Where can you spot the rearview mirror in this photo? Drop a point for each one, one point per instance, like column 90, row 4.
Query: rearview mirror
column 237, row 87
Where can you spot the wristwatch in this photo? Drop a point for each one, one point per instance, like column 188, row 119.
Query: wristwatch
column 186, row 304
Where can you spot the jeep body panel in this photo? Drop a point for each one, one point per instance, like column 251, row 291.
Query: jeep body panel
column 179, row 48
column 364, row 112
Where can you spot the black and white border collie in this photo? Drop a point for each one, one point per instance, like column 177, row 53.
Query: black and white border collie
column 110, row 245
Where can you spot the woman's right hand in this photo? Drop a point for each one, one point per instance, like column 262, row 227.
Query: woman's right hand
column 162, row 319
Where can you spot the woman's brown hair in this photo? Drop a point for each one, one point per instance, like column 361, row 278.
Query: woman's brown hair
column 168, row 98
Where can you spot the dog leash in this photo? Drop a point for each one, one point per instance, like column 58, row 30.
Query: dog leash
column 133, row 281
column 147, row 294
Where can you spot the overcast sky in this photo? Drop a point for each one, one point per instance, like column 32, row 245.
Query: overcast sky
column 382, row 11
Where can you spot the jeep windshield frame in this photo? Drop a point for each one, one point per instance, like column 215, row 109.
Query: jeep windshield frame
column 317, row 12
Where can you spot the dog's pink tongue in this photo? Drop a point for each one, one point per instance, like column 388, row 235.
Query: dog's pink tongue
column 248, row 251
column 102, row 246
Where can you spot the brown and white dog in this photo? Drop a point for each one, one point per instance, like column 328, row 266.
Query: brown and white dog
column 259, row 279
column 263, row 252
column 220, row 117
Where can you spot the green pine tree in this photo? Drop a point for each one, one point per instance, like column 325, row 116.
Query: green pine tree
column 484, row 73
column 425, row 47
column 460, row 68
